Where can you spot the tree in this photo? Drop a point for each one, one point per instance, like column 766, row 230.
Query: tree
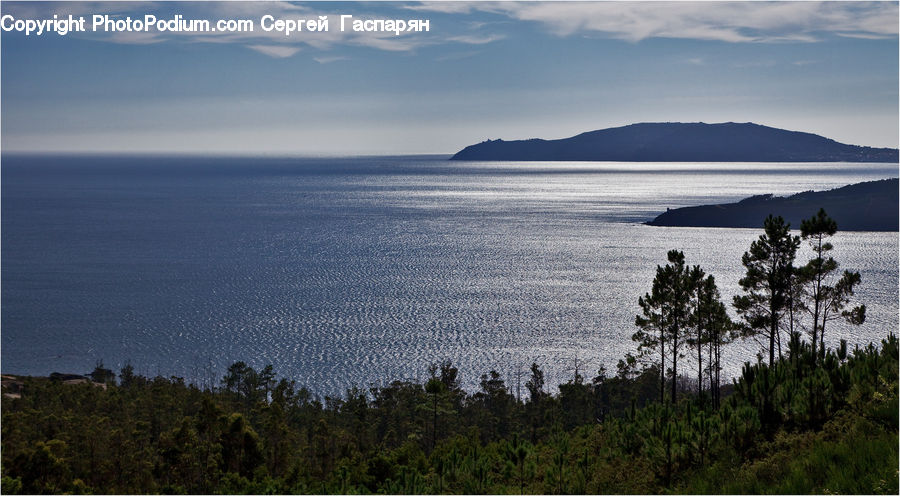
column 241, row 452
column 438, row 404
column 826, row 301
column 698, row 321
column 767, row 282
column 267, row 381
column 102, row 375
column 516, row 452
column 714, row 328
column 495, row 403
column 450, row 377
column 127, row 376
column 576, row 402
column 243, row 381
column 560, row 463
column 535, row 384
column 535, row 409
column 665, row 316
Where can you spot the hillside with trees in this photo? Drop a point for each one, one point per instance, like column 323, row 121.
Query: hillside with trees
column 803, row 419
column 868, row 206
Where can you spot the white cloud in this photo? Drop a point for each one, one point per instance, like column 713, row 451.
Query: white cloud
column 271, row 43
column 446, row 7
column 734, row 22
column 721, row 21
column 865, row 36
column 276, row 51
column 328, row 60
column 35, row 9
column 475, row 39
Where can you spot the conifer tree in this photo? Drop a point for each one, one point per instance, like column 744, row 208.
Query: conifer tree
column 700, row 336
column 434, row 388
column 713, row 328
column 665, row 316
column 766, row 284
column 826, row 301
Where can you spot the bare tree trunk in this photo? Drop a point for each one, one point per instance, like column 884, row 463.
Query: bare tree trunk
column 778, row 340
column 699, row 366
column 674, row 366
column 712, row 393
column 718, row 367
column 662, row 369
column 772, row 331
column 817, row 295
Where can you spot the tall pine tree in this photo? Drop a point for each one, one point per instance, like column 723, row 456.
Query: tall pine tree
column 826, row 299
column 767, row 282
column 665, row 317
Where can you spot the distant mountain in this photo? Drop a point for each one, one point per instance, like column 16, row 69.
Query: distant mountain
column 680, row 142
column 869, row 206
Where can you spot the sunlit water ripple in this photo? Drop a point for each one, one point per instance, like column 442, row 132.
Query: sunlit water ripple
column 348, row 272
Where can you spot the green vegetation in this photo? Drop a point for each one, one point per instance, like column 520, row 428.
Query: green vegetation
column 810, row 420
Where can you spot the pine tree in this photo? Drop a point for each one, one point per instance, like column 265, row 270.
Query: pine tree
column 516, row 451
column 713, row 328
column 435, row 390
column 665, row 316
column 701, row 335
column 767, row 282
column 826, row 302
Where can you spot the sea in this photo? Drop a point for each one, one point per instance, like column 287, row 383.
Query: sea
column 354, row 272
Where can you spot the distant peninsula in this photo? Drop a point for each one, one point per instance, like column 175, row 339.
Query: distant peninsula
column 681, row 142
column 869, row 206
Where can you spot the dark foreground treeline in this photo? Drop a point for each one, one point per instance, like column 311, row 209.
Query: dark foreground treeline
column 807, row 420
column 808, row 424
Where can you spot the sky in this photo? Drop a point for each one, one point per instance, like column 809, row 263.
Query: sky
column 484, row 70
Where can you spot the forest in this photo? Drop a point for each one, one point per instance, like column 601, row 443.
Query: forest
column 800, row 417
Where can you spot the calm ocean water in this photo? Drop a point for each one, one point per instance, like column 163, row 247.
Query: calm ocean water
column 356, row 271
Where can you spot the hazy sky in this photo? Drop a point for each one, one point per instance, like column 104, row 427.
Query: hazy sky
column 485, row 70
